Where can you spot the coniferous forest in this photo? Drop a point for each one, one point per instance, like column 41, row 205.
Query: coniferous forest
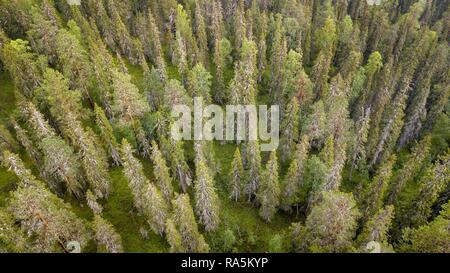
column 88, row 162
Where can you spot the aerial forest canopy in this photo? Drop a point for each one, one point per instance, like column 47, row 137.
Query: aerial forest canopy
column 88, row 159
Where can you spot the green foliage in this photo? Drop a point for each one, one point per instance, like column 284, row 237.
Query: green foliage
column 316, row 172
column 433, row 183
column 237, row 176
column 377, row 227
column 207, row 204
column 229, row 239
column 276, row 244
column 147, row 198
column 269, row 190
column 243, row 86
column 60, row 160
column 161, row 173
column 253, row 167
column 358, row 86
column 375, row 192
column 329, row 227
column 289, row 129
column 106, row 237
column 128, row 103
column 23, row 65
column 430, row 238
column 199, row 83
column 183, row 215
column 294, row 182
column 40, row 213
column 107, row 134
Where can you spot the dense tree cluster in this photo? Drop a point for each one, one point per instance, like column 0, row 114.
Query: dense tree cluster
column 363, row 155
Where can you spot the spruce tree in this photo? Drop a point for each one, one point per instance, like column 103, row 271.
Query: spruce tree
column 410, row 169
column 23, row 65
column 316, row 174
column 41, row 213
column 174, row 154
column 393, row 124
column 61, row 162
column 345, row 42
column 174, row 94
column 327, row 152
column 336, row 215
column 74, row 63
column 416, row 111
column 155, row 208
column 7, row 141
column 153, row 88
column 441, row 93
column 365, row 95
column 147, row 198
column 128, row 102
column 132, row 170
column 180, row 57
column 315, row 124
column 107, row 134
column 158, row 54
column 217, row 23
column 432, row 237
column 161, row 173
column 143, row 142
column 47, row 216
column 200, row 33
column 262, row 47
column 42, row 33
column 375, row 192
column 291, row 72
column 206, row 199
column 91, row 201
column 239, row 26
column 326, row 39
column 222, row 51
column 278, row 55
column 205, row 150
column 294, row 179
column 358, row 155
column 377, row 228
column 184, row 220
column 173, row 237
column 432, row 184
column 359, row 85
column 269, row 190
column 93, row 158
column 289, row 129
column 65, row 104
column 36, row 121
column 12, row 237
column 35, row 156
column 253, row 167
column 105, row 236
column 237, row 176
column 102, row 66
column 121, row 34
column 14, row 164
column 150, row 37
column 199, row 83
column 185, row 38
column 243, row 86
